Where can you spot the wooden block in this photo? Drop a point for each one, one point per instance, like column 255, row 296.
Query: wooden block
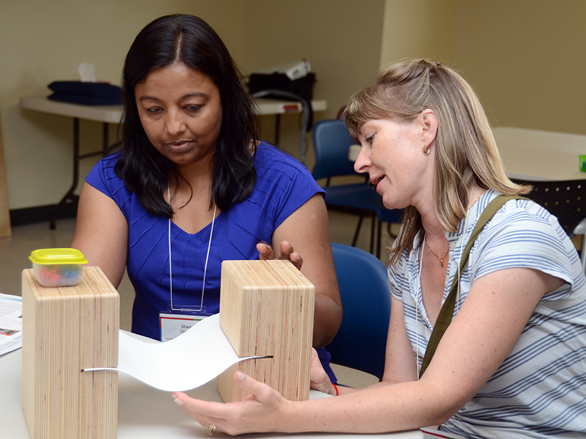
column 67, row 329
column 266, row 308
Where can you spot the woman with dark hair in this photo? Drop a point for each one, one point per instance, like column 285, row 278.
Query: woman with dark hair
column 487, row 334
column 187, row 40
column 193, row 186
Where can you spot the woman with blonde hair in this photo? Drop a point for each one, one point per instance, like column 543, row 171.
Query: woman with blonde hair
column 487, row 335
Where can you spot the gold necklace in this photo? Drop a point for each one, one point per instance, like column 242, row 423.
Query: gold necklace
column 441, row 258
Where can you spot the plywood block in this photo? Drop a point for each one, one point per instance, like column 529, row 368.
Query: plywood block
column 67, row 329
column 266, row 308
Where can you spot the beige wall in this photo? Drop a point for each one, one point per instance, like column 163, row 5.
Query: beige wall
column 341, row 42
column 44, row 41
column 526, row 60
column 339, row 39
column 419, row 29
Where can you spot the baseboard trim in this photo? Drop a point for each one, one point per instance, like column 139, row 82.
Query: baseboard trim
column 41, row 214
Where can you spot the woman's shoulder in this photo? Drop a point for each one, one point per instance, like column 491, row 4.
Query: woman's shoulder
column 523, row 234
column 523, row 211
column 109, row 162
column 278, row 169
column 103, row 175
column 269, row 157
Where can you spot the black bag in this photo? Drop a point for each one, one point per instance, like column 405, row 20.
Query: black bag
column 86, row 93
column 302, row 87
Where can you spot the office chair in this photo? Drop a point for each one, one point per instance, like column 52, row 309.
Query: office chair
column 331, row 142
column 361, row 340
column 566, row 200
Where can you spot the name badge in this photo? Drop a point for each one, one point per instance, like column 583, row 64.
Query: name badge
column 173, row 325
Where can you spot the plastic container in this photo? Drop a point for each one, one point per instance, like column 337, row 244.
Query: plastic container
column 57, row 267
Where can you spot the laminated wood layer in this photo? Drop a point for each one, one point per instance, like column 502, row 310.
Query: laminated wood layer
column 67, row 329
column 266, row 308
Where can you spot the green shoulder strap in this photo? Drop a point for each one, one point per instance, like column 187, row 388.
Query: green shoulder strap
column 447, row 310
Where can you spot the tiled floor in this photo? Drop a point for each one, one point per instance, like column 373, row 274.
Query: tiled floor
column 14, row 252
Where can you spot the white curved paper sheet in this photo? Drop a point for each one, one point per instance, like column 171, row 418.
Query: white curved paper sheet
column 184, row 363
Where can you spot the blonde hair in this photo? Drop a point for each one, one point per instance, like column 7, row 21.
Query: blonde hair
column 465, row 149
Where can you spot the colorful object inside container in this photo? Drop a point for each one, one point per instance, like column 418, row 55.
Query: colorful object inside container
column 57, row 267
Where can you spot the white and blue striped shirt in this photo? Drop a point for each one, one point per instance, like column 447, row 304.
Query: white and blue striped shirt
column 539, row 390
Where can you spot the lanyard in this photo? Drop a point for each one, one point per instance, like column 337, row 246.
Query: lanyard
column 205, row 269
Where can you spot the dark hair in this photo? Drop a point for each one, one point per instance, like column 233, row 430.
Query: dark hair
column 146, row 172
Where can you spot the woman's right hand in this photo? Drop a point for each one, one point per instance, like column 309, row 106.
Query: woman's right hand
column 319, row 379
column 263, row 411
column 286, row 252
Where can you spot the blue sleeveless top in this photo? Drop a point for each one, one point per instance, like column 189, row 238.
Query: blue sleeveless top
column 282, row 186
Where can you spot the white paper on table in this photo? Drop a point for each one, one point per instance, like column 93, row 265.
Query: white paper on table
column 9, row 304
column 10, row 323
column 184, row 363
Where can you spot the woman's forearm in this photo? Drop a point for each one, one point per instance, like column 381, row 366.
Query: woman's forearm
column 378, row 409
column 328, row 316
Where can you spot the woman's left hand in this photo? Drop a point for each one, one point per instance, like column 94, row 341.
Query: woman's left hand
column 319, row 379
column 263, row 410
column 286, row 252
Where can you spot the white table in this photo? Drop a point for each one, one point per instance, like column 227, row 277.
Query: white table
column 113, row 113
column 540, row 155
column 108, row 114
column 533, row 154
column 143, row 412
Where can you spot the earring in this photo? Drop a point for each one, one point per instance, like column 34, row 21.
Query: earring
column 426, row 150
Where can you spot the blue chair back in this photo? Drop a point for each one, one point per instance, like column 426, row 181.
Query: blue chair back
column 331, row 142
column 361, row 340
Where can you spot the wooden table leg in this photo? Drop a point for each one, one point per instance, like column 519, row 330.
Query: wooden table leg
column 5, row 229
